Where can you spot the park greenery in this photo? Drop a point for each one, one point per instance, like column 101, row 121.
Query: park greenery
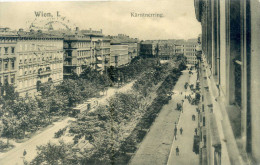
column 22, row 116
column 110, row 134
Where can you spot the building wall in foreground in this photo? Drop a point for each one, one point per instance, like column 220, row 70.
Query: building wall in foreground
column 230, row 43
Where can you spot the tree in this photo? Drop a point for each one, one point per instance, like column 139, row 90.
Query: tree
column 53, row 154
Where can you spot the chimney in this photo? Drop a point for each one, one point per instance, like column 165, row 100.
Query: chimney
column 101, row 31
column 21, row 30
column 77, row 28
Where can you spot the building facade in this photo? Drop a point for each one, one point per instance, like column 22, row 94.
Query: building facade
column 40, row 59
column 77, row 54
column 190, row 52
column 8, row 58
column 230, row 74
column 119, row 55
column 166, row 50
column 29, row 59
column 148, row 49
column 85, row 48
column 123, row 49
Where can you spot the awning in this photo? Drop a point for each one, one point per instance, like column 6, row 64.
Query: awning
column 99, row 65
column 99, row 58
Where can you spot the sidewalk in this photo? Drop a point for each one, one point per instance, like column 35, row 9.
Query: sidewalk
column 185, row 141
column 156, row 146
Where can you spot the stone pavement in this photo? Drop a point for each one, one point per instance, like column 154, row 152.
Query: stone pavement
column 156, row 146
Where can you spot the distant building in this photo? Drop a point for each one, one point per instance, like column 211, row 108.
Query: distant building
column 77, row 53
column 119, row 55
column 123, row 49
column 148, row 49
column 85, row 48
column 190, row 52
column 166, row 49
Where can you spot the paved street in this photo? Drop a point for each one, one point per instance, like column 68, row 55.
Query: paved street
column 159, row 146
column 14, row 156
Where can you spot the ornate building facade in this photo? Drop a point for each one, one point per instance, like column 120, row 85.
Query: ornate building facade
column 40, row 59
column 29, row 59
column 8, row 58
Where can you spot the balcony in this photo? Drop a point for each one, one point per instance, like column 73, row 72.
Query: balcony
column 43, row 73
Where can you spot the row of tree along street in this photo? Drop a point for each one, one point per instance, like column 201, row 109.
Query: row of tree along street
column 22, row 116
column 110, row 134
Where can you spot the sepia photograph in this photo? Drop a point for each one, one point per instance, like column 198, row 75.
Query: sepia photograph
column 130, row 82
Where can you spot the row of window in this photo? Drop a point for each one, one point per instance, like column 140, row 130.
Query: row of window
column 7, row 64
column 7, row 50
column 83, row 44
column 190, row 54
column 83, row 53
column 25, row 61
column 6, row 79
column 33, row 81
column 40, row 46
column 33, row 70
column 192, row 50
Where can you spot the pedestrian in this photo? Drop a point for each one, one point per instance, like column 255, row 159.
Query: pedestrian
column 24, row 152
column 181, row 130
column 175, row 133
column 193, row 117
column 196, row 131
column 177, row 151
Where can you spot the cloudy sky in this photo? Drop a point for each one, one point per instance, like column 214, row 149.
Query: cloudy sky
column 178, row 21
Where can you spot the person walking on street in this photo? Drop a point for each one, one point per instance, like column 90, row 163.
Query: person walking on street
column 24, row 152
column 196, row 131
column 177, row 151
column 175, row 133
column 193, row 117
column 181, row 130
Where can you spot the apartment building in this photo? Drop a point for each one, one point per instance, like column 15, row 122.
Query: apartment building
column 119, row 55
column 77, row 47
column 8, row 58
column 39, row 60
column 85, row 48
column 28, row 59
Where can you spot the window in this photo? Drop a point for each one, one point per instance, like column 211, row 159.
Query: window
column 12, row 64
column 6, row 50
column 6, row 65
column 0, row 65
column 13, row 79
column 12, row 50
column 6, row 79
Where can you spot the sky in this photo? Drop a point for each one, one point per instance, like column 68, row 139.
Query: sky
column 113, row 17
